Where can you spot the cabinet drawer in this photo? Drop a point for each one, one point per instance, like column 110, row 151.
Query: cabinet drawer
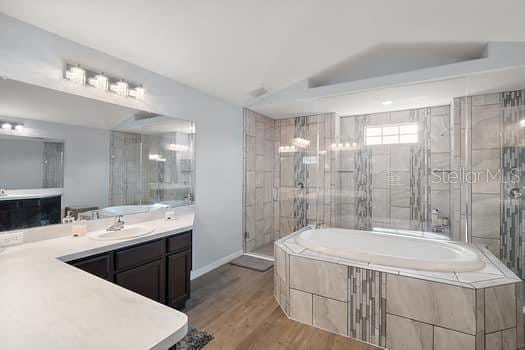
column 179, row 242
column 139, row 254
column 99, row 266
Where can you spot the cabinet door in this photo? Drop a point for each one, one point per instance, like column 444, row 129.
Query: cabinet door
column 179, row 267
column 98, row 265
column 147, row 280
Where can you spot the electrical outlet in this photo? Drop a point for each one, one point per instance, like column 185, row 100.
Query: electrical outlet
column 8, row 239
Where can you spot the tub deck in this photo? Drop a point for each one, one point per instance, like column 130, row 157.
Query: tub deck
column 400, row 308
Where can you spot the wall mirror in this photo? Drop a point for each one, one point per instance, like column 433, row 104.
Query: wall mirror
column 65, row 154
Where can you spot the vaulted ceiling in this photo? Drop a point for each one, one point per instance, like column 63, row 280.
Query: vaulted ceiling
column 228, row 48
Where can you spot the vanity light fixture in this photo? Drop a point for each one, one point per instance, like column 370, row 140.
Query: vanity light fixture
column 120, row 88
column 522, row 123
column 287, row 149
column 153, row 156
column 99, row 81
column 90, row 77
column 7, row 126
column 76, row 74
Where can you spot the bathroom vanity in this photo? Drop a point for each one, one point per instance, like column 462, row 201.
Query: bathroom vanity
column 78, row 292
column 159, row 270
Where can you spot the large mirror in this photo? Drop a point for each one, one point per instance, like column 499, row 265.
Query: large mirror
column 64, row 157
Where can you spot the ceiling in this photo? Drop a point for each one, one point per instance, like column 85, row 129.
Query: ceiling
column 231, row 47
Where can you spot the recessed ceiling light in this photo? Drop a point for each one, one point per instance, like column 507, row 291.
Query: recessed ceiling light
column 386, row 103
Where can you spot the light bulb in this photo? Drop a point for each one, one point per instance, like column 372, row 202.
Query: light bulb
column 7, row 126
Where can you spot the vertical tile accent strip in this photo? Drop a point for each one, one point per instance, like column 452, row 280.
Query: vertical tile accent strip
column 363, row 177
column 367, row 305
column 512, row 224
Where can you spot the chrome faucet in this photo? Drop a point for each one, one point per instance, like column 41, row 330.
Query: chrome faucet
column 118, row 225
column 3, row 190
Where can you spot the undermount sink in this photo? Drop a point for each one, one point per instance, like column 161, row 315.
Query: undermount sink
column 125, row 233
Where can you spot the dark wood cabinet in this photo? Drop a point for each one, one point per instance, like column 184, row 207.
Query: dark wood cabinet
column 158, row 269
column 147, row 280
column 179, row 267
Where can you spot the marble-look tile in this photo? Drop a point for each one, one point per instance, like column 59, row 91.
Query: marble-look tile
column 347, row 129
column 400, row 157
column 280, row 262
column 400, row 197
column 287, row 171
column 259, row 203
column 249, row 122
column 379, row 118
column 268, row 219
column 259, row 138
column 500, row 308
column 301, row 306
column 405, row 334
column 268, row 186
column 445, row 339
column 250, row 153
column 441, row 200
column 400, row 217
column 330, row 315
column 259, row 233
column 486, row 163
column 381, row 205
column 508, row 337
column 346, row 161
column 268, row 156
column 486, row 215
column 380, row 166
column 318, row 277
column 436, row 303
column 480, row 310
column 493, row 245
column 485, row 126
column 520, row 327
column 259, row 171
column 440, row 110
column 348, row 216
column 249, row 198
column 440, row 134
column 440, row 161
column 400, row 116
column 486, row 99
column 249, row 221
column 494, row 341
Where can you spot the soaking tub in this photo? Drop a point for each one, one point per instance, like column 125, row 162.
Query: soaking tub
column 392, row 250
column 398, row 292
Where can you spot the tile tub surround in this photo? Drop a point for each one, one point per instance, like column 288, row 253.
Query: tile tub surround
column 400, row 309
column 45, row 302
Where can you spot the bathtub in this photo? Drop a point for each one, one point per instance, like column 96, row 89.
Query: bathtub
column 392, row 250
column 378, row 287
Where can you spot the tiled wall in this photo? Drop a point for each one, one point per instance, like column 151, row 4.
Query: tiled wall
column 258, row 191
column 389, row 186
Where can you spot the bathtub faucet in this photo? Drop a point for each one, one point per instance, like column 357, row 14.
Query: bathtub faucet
column 318, row 225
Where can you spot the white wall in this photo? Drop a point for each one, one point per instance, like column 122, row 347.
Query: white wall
column 21, row 163
column 86, row 160
column 34, row 56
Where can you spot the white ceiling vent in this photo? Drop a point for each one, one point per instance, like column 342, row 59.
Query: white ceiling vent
column 258, row 92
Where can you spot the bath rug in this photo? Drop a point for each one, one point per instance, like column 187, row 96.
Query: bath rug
column 194, row 340
column 253, row 263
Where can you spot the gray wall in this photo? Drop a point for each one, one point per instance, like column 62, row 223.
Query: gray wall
column 21, row 163
column 35, row 56
column 86, row 160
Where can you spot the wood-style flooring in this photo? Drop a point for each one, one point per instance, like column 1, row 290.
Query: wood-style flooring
column 237, row 307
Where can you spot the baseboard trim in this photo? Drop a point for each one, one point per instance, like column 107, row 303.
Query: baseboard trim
column 218, row 263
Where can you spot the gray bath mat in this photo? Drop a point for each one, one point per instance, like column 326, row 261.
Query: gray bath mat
column 194, row 340
column 253, row 263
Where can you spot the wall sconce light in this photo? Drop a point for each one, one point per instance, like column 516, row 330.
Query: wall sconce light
column 89, row 77
column 177, row 148
column 8, row 126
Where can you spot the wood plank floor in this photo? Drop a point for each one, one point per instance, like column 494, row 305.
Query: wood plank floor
column 237, row 307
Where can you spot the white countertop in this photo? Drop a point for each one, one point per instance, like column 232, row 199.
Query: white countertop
column 48, row 304
column 31, row 193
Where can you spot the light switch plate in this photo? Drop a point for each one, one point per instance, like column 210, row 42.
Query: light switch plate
column 7, row 239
